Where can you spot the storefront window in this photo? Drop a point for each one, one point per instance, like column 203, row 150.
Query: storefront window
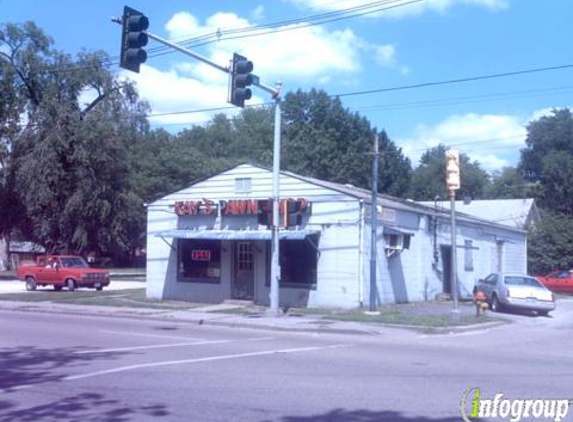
column 299, row 259
column 199, row 261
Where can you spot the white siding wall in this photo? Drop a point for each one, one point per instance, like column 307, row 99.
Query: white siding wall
column 411, row 275
column 334, row 214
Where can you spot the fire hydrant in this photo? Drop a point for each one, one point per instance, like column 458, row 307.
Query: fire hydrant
column 480, row 300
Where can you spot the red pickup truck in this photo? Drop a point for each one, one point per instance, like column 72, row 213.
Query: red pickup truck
column 62, row 270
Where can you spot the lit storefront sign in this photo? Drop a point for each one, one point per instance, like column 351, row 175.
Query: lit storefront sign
column 232, row 206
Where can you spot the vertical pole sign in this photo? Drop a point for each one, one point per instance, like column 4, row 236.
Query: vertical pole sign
column 453, row 184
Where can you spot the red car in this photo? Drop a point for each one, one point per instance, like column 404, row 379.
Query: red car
column 558, row 281
column 62, row 270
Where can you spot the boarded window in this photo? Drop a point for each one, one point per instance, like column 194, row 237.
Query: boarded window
column 468, row 255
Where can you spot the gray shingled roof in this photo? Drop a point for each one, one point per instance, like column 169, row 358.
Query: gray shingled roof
column 519, row 213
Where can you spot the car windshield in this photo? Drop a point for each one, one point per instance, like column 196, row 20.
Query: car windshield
column 521, row 281
column 74, row 262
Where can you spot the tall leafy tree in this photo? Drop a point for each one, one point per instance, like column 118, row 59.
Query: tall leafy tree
column 546, row 134
column 551, row 244
column 69, row 161
column 507, row 183
column 322, row 139
column 429, row 178
column 548, row 158
column 163, row 163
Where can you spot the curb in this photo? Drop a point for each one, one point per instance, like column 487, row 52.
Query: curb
column 166, row 316
column 231, row 321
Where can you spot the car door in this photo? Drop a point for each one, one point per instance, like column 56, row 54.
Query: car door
column 48, row 273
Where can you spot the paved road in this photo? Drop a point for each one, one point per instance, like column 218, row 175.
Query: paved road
column 74, row 368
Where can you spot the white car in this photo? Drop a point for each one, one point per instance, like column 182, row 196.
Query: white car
column 516, row 291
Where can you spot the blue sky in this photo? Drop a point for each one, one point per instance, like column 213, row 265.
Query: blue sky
column 412, row 43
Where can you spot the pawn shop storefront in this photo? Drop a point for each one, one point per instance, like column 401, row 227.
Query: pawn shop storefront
column 210, row 243
column 221, row 250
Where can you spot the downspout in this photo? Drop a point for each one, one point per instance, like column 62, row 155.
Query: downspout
column 361, row 255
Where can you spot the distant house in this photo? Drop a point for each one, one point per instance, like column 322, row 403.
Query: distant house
column 210, row 243
column 518, row 213
column 24, row 253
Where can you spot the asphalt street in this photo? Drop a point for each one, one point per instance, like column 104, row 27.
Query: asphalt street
column 56, row 367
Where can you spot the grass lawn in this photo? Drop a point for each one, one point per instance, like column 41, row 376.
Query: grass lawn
column 420, row 314
column 131, row 298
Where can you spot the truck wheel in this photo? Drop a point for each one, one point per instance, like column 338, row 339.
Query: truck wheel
column 57, row 287
column 71, row 284
column 30, row 284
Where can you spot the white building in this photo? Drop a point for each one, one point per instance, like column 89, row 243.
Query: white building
column 205, row 244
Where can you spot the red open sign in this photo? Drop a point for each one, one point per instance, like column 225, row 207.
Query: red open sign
column 201, row 255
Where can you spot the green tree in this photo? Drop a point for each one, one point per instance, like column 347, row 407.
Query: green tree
column 163, row 163
column 550, row 244
column 69, row 162
column 322, row 139
column 429, row 178
column 546, row 134
column 507, row 183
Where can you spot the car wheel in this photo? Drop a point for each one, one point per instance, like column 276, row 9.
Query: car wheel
column 30, row 284
column 71, row 284
column 542, row 313
column 495, row 305
column 99, row 288
column 57, row 287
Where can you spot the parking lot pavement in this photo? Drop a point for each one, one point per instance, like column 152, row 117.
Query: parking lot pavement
column 16, row 286
column 561, row 317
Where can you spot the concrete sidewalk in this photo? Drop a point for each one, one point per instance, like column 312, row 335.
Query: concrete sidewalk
column 262, row 320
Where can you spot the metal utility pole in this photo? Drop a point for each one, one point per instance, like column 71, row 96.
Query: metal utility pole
column 454, row 254
column 453, row 184
column 275, row 250
column 374, row 227
column 255, row 80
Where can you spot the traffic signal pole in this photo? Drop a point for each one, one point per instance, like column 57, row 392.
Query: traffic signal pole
column 275, row 250
column 276, row 95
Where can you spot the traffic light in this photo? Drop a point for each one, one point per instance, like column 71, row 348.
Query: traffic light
column 241, row 78
column 452, row 169
column 133, row 38
column 291, row 213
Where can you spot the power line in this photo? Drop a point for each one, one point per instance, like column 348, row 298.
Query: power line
column 312, row 20
column 421, row 85
column 288, row 25
column 467, row 99
column 455, row 81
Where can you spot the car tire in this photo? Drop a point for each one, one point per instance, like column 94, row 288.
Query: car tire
column 57, row 287
column 99, row 288
column 542, row 313
column 70, row 284
column 31, row 284
column 495, row 305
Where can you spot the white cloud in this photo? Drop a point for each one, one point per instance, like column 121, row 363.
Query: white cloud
column 398, row 9
column 304, row 54
column 170, row 92
column 258, row 13
column 492, row 140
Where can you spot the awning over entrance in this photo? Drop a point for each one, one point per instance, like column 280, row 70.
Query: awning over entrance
column 234, row 234
column 396, row 231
